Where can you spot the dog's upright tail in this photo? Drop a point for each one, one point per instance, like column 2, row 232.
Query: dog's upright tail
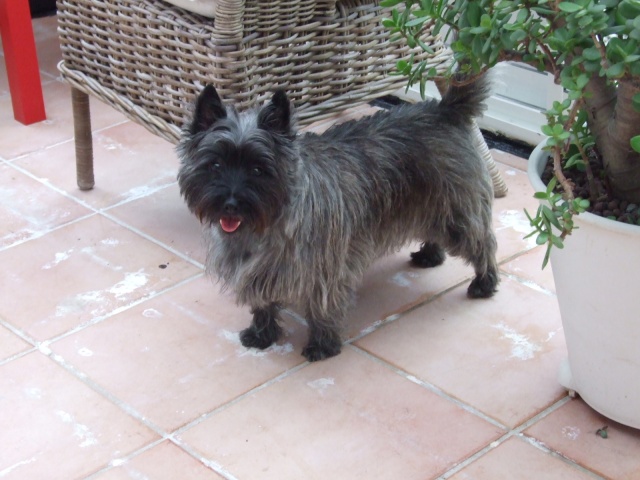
column 466, row 99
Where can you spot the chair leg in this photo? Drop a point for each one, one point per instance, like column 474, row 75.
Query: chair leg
column 83, row 139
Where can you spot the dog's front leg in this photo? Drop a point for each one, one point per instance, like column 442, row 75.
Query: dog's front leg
column 264, row 330
column 325, row 315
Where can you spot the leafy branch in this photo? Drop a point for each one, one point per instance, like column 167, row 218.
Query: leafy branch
column 574, row 41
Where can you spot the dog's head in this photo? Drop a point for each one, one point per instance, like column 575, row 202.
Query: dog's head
column 236, row 169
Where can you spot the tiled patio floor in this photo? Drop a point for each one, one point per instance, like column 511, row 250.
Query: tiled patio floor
column 119, row 359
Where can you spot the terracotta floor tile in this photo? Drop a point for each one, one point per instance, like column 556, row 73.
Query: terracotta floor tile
column 392, row 285
column 475, row 348
column 528, row 268
column 129, row 163
column 162, row 462
column 571, row 430
column 29, row 209
column 518, row 459
column 509, row 219
column 19, row 139
column 347, row 417
column 59, row 428
column 82, row 271
column 11, row 344
column 165, row 216
column 178, row 356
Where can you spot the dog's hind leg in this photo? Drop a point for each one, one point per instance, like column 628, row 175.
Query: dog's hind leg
column 429, row 255
column 264, row 330
column 486, row 280
column 479, row 249
column 325, row 315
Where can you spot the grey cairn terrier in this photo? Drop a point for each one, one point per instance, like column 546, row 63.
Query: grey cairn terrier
column 295, row 220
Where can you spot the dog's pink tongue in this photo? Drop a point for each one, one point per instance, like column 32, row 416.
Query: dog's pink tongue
column 230, row 224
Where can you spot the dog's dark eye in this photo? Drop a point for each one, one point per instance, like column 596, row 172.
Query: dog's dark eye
column 256, row 172
column 215, row 166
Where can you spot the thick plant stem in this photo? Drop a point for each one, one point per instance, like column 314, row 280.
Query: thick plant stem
column 613, row 122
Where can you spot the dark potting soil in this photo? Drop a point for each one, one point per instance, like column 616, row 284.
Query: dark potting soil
column 605, row 204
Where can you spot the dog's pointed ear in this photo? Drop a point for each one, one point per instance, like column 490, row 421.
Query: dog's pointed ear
column 276, row 115
column 209, row 109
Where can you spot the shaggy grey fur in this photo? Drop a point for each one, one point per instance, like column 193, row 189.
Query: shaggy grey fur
column 296, row 220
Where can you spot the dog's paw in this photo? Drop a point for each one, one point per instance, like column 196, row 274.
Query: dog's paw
column 427, row 257
column 251, row 338
column 315, row 351
column 483, row 286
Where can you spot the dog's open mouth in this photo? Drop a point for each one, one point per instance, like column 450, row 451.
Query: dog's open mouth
column 230, row 224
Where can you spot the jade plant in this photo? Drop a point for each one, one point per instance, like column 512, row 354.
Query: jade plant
column 590, row 47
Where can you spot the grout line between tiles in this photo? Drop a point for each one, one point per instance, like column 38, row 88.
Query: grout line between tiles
column 44, row 233
column 510, row 432
column 152, row 239
column 215, row 466
column 23, row 335
column 237, row 399
column 114, row 463
column 48, row 184
column 17, row 356
column 519, row 253
column 99, row 319
column 125, row 407
column 529, row 283
column 429, row 386
column 398, row 315
column 541, row 446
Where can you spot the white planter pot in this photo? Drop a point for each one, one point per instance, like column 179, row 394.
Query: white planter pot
column 597, row 277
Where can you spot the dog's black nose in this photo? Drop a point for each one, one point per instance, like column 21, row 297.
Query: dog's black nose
column 230, row 207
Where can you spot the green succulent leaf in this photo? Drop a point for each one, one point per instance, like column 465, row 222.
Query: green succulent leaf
column 569, row 7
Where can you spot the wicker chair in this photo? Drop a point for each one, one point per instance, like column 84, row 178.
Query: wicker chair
column 149, row 59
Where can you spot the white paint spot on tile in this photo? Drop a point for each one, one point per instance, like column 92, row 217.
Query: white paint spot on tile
column 321, row 384
column 511, row 173
column 515, row 220
column 143, row 191
column 131, row 282
column 402, row 279
column 135, row 474
column 522, row 347
column 33, row 393
column 90, row 251
column 151, row 313
column 283, row 349
column 116, row 462
column 572, row 433
column 79, row 430
column 534, row 286
column 81, row 302
column 59, row 257
column 85, row 352
column 110, row 242
column 198, row 318
column 233, row 337
column 11, row 468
